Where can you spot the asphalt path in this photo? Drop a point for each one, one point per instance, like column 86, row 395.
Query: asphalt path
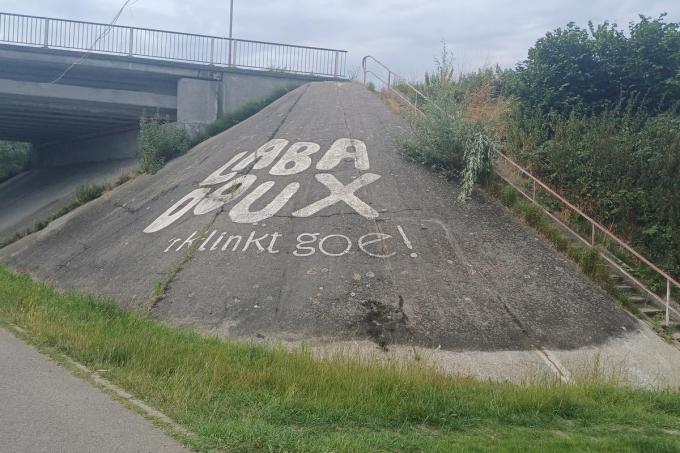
column 45, row 408
column 327, row 232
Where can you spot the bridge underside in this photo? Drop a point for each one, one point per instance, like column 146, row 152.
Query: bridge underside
column 44, row 120
column 60, row 99
column 90, row 99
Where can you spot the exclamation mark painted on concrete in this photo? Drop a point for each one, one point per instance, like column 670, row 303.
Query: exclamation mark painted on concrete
column 406, row 241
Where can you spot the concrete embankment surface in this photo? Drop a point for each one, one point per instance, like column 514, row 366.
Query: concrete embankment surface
column 39, row 193
column 304, row 222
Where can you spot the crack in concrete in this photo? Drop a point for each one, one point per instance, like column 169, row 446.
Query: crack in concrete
column 173, row 272
column 377, row 224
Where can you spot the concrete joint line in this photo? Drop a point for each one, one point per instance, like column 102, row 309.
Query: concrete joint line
column 117, row 391
column 554, row 364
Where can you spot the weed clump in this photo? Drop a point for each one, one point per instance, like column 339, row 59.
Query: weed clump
column 445, row 136
column 159, row 142
column 88, row 192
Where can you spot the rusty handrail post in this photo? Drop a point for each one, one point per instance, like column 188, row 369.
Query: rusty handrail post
column 668, row 302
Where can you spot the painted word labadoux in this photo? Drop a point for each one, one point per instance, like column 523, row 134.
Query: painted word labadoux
column 295, row 160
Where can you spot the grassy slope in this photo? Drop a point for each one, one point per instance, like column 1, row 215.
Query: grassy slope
column 247, row 398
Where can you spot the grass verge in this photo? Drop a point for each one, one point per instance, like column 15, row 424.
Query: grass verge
column 242, row 397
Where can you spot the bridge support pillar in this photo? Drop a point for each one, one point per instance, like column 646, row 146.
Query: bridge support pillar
column 239, row 89
column 197, row 103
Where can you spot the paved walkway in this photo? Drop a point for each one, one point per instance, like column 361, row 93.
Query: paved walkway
column 45, row 408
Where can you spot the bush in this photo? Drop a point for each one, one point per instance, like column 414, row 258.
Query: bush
column 445, row 137
column 14, row 159
column 532, row 214
column 159, row 143
column 88, row 192
column 595, row 68
column 621, row 166
column 508, row 196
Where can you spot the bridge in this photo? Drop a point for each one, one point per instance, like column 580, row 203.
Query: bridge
column 77, row 90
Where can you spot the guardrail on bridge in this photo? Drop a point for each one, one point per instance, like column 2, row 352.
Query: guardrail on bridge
column 167, row 45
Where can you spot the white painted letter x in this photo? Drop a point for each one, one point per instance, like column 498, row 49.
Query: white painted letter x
column 340, row 192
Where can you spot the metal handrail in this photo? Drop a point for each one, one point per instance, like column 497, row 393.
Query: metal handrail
column 535, row 181
column 392, row 77
column 56, row 33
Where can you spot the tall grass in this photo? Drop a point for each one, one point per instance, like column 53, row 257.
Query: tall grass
column 621, row 166
column 244, row 397
column 454, row 134
column 159, row 142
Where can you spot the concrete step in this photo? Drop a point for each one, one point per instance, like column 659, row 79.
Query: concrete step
column 624, row 288
column 651, row 311
column 637, row 299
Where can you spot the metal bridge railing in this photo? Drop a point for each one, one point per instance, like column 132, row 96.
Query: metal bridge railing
column 597, row 231
column 167, row 45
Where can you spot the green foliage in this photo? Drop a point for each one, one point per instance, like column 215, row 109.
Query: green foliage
column 593, row 69
column 596, row 116
column 246, row 397
column 84, row 194
column 508, row 195
column 622, row 166
column 88, row 192
column 444, row 137
column 159, row 143
column 371, row 86
column 14, row 158
column 442, row 76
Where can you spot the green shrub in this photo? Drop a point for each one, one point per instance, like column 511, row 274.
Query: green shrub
column 532, row 214
column 589, row 261
column 508, row 195
column 446, row 137
column 594, row 68
column 371, row 86
column 159, row 143
column 621, row 166
column 446, row 140
column 14, row 159
column 88, row 192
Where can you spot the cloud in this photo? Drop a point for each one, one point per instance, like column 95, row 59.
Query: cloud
column 406, row 34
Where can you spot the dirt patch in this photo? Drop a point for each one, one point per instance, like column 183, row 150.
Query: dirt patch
column 385, row 324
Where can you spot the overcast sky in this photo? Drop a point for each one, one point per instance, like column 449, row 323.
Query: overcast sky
column 406, row 34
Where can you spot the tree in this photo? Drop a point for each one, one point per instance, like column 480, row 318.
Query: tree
column 596, row 68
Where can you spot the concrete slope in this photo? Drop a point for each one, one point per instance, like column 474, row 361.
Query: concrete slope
column 37, row 194
column 330, row 233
